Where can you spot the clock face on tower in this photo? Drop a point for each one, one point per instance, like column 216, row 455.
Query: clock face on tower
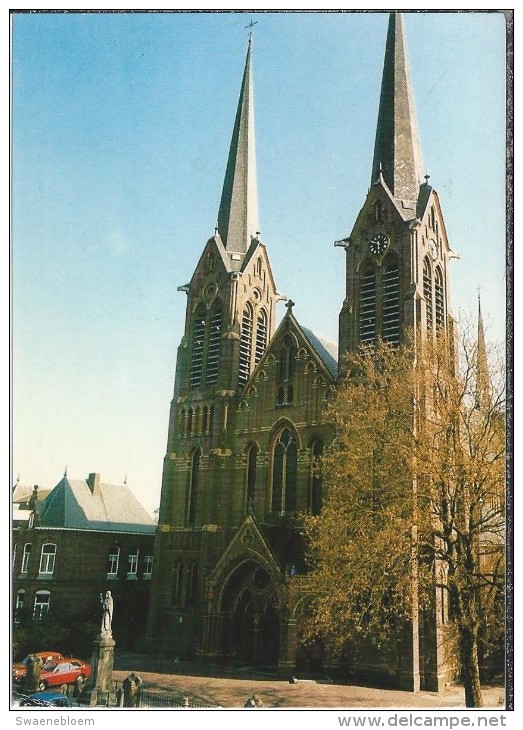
column 378, row 244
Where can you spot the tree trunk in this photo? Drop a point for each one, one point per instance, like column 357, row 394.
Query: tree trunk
column 470, row 667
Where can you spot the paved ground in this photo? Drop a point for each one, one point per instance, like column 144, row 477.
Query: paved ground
column 230, row 688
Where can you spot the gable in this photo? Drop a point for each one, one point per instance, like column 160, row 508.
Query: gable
column 317, row 349
column 247, row 543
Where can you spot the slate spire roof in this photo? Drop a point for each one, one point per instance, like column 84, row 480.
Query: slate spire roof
column 482, row 372
column 397, row 151
column 238, row 213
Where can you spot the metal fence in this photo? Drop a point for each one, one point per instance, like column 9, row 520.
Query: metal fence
column 169, row 700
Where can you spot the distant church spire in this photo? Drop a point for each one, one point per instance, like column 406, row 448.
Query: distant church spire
column 482, row 374
column 397, row 151
column 238, row 214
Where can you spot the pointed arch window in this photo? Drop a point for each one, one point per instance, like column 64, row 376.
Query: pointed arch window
column 284, row 472
column 287, row 367
column 391, row 302
column 378, row 211
column 439, row 299
column 198, row 345
column 427, row 293
column 194, row 483
column 245, row 345
column 316, row 477
column 215, row 339
column 250, row 492
column 261, row 336
column 367, row 319
column 192, row 585
column 176, row 595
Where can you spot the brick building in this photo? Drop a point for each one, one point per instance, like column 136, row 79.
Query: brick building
column 83, row 538
column 247, row 429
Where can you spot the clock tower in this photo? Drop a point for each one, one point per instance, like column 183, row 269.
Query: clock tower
column 397, row 254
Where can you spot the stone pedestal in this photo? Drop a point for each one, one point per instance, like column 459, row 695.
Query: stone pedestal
column 100, row 686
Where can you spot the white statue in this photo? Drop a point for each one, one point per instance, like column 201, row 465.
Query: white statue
column 107, row 614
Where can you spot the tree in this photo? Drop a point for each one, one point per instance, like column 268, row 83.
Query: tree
column 414, row 484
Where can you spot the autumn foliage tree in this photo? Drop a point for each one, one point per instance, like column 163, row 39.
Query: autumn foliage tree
column 414, row 500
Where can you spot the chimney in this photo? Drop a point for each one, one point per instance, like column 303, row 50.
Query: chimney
column 93, row 482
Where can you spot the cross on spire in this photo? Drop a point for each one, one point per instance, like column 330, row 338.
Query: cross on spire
column 250, row 27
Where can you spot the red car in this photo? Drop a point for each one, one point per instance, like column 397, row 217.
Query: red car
column 20, row 668
column 67, row 671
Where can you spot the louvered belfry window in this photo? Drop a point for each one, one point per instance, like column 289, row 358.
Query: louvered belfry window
column 245, row 345
column 198, row 346
column 213, row 351
column 367, row 322
column 261, row 336
column 427, row 293
column 390, row 312
column 439, row 300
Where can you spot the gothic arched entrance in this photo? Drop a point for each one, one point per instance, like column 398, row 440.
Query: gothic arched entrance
column 250, row 616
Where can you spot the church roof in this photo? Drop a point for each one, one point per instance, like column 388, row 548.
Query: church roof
column 397, row 150
column 112, row 508
column 327, row 350
column 238, row 213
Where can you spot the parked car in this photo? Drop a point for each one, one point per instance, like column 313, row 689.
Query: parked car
column 45, row 699
column 20, row 668
column 67, row 671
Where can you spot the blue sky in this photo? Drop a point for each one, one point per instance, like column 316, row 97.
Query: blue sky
column 120, row 131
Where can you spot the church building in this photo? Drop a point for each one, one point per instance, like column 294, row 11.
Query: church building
column 247, row 427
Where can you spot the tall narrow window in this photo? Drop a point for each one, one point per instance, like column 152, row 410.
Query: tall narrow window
column 47, row 559
column 192, row 585
column 132, row 562
column 215, row 340
column 19, row 605
column 391, row 303
column 194, row 478
column 261, row 335
column 287, row 360
column 284, row 473
column 147, row 567
column 198, row 344
column 25, row 557
column 427, row 293
column 113, row 562
column 245, row 345
column 367, row 322
column 316, row 478
column 176, row 595
column 439, row 300
column 252, row 456
column 41, row 604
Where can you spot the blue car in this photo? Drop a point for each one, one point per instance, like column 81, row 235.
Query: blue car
column 45, row 699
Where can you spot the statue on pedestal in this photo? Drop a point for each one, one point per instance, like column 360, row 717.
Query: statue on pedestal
column 107, row 614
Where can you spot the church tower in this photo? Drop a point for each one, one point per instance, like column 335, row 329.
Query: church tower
column 230, row 317
column 397, row 255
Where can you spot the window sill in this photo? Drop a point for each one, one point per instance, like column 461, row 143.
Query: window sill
column 44, row 576
column 112, row 576
column 132, row 576
column 147, row 576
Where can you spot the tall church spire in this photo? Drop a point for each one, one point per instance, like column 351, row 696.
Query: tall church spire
column 482, row 373
column 397, row 151
column 238, row 214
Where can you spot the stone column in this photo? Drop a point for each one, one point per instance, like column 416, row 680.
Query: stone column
column 100, row 685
